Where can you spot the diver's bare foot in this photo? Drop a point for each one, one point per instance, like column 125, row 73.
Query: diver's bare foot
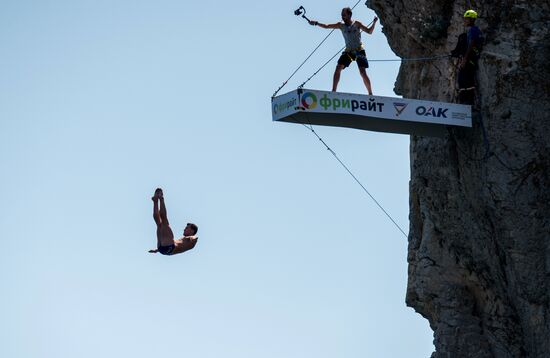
column 158, row 195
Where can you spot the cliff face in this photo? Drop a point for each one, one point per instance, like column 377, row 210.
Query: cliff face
column 479, row 241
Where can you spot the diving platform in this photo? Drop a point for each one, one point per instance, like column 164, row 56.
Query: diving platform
column 373, row 113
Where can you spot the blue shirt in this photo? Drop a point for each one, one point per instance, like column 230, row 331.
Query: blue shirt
column 474, row 34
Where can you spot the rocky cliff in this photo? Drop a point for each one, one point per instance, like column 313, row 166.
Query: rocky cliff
column 479, row 241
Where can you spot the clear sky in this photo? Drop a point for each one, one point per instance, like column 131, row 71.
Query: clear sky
column 102, row 101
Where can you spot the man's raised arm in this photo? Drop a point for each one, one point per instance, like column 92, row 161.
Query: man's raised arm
column 369, row 29
column 325, row 26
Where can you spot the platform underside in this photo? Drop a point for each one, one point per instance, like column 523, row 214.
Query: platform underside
column 366, row 123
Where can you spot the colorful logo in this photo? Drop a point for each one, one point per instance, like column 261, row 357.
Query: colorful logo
column 399, row 107
column 309, row 100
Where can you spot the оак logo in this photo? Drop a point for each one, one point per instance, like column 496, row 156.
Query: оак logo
column 431, row 112
column 309, row 100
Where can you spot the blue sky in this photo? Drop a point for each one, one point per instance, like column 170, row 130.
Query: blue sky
column 103, row 101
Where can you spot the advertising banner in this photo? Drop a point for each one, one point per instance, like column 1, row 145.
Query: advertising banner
column 363, row 107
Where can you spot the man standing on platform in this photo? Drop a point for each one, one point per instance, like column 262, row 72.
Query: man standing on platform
column 351, row 30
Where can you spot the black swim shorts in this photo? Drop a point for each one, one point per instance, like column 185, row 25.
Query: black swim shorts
column 349, row 56
column 167, row 250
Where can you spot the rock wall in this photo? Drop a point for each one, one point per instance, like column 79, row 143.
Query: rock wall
column 479, row 241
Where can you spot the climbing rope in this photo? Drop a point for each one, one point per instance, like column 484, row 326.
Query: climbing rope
column 412, row 59
column 385, row 60
column 477, row 103
column 310, row 127
column 486, row 144
column 488, row 151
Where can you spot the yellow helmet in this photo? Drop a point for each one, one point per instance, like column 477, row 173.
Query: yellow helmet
column 471, row 14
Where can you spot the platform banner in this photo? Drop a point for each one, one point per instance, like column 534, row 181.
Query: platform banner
column 400, row 109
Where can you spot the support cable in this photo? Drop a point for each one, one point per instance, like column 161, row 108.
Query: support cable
column 383, row 60
column 355, row 178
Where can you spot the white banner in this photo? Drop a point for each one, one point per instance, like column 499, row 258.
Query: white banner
column 395, row 109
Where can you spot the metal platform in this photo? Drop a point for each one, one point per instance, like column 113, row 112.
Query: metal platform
column 374, row 113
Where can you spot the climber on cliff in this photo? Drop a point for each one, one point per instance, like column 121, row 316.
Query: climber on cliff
column 467, row 50
column 354, row 48
column 166, row 244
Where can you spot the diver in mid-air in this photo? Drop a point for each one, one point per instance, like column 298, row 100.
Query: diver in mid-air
column 166, row 244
